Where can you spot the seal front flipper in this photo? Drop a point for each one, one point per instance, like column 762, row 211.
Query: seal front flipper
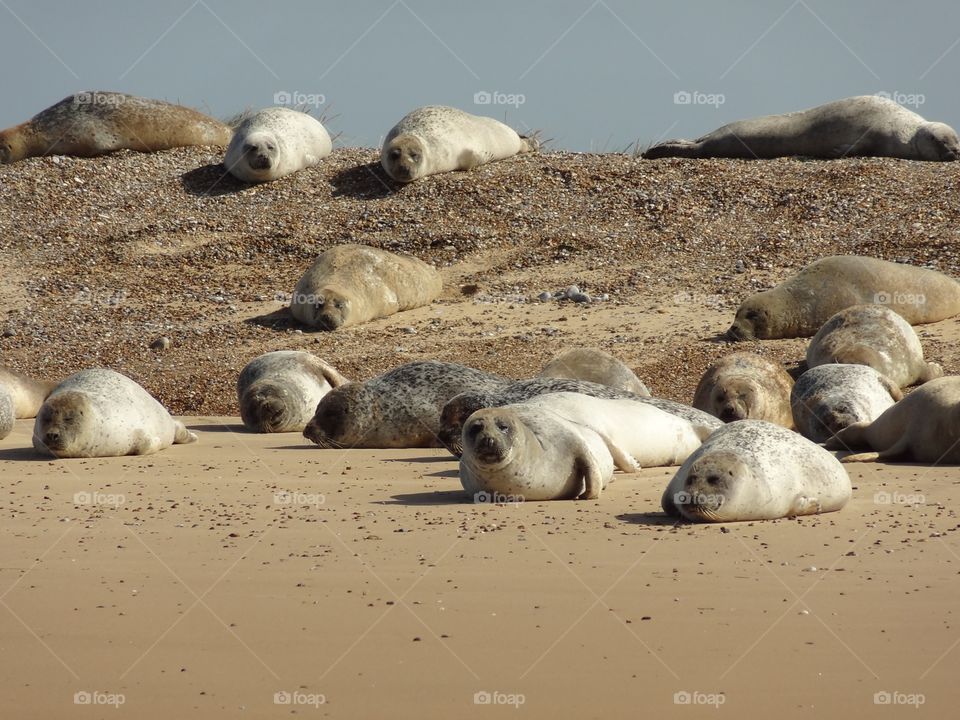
column 183, row 436
column 592, row 478
column 469, row 160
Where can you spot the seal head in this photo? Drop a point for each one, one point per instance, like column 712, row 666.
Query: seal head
column 403, row 158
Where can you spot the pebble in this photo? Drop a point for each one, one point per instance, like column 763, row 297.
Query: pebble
column 161, row 343
column 545, row 296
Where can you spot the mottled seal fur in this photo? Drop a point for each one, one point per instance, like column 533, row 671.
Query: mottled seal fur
column 867, row 125
column 755, row 470
column 594, row 366
column 876, row 336
column 828, row 398
column 924, row 427
column 275, row 142
column 101, row 413
column 745, row 386
column 437, row 139
column 353, row 284
column 799, row 306
column 279, row 391
column 459, row 408
column 399, row 409
column 96, row 122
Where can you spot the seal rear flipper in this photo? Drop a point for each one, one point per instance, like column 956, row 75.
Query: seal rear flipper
column 931, row 371
column 531, row 142
column 622, row 459
column 857, row 457
column 671, row 148
column 183, row 436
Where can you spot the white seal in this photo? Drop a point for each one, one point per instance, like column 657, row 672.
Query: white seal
column 101, row 413
column 275, row 142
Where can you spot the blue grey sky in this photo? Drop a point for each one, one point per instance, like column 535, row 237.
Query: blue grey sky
column 592, row 75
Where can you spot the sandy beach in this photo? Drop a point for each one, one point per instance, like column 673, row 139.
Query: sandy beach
column 259, row 576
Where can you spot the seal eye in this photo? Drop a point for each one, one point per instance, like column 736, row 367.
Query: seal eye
column 249, row 148
column 503, row 427
column 395, row 153
column 338, row 304
column 415, row 157
column 753, row 315
column 713, row 480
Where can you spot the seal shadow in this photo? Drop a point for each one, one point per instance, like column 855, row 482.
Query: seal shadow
column 280, row 319
column 211, row 181
column 223, row 428
column 647, row 518
column 434, row 497
column 364, row 182
column 20, row 454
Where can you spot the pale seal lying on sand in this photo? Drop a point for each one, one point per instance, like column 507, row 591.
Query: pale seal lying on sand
column 876, row 336
column 594, row 366
column 828, row 398
column 460, row 407
column 399, row 409
column 274, row 142
column 7, row 414
column 566, row 445
column 799, row 306
column 755, row 470
column 28, row 394
column 437, row 139
column 353, row 284
column 279, row 391
column 95, row 123
column 924, row 427
column 101, row 413
column 745, row 386
column 866, row 125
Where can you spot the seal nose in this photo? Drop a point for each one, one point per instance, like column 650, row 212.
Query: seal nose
column 52, row 437
column 729, row 414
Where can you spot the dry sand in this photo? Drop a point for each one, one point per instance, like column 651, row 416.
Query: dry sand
column 203, row 580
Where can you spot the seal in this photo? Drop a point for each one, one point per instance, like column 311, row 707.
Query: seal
column 924, row 427
column 828, row 398
column 275, row 142
column 279, row 391
column 799, row 306
column 101, row 413
column 594, row 366
column 745, row 386
column 27, row 394
column 866, row 125
column 353, row 284
column 460, row 407
column 755, row 470
column 7, row 414
column 399, row 409
column 438, row 139
column 93, row 123
column 876, row 336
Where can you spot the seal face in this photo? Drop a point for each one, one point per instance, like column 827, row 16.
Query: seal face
column 923, row 427
column 755, row 470
column 399, row 409
column 460, row 407
column 101, row 413
column 93, row 123
column 353, row 284
column 594, row 366
column 745, row 386
column 275, row 142
column 800, row 305
column 828, row 398
column 876, row 336
column 437, row 139
column 866, row 125
column 279, row 391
